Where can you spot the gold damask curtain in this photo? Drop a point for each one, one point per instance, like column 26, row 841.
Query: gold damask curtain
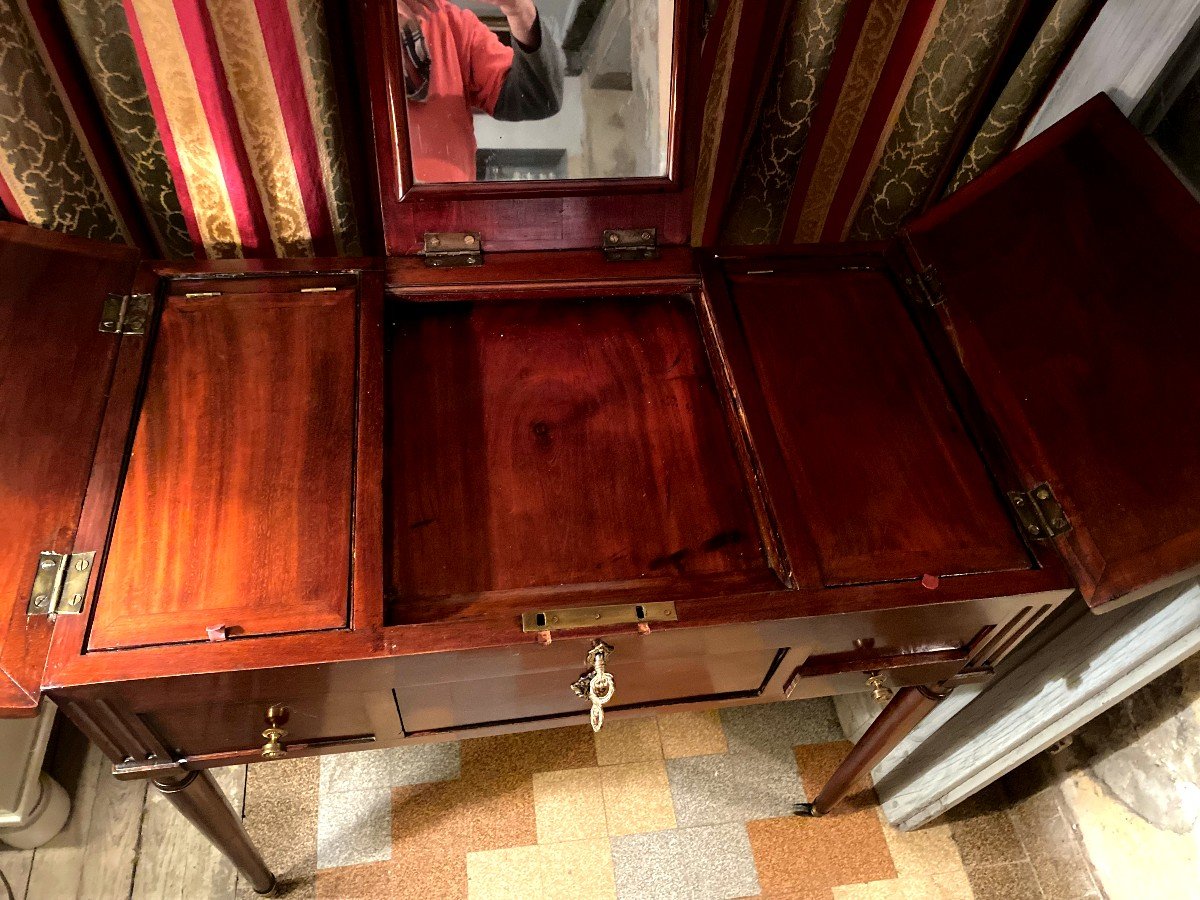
column 875, row 108
column 191, row 127
column 213, row 128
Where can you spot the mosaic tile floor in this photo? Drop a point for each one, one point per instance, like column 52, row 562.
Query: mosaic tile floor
column 685, row 805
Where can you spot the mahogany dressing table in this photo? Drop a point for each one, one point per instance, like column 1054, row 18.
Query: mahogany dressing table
column 263, row 509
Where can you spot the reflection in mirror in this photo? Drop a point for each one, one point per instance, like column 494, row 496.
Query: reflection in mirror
column 528, row 90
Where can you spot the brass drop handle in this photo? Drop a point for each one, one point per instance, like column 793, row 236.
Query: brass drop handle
column 274, row 748
column 877, row 682
column 596, row 685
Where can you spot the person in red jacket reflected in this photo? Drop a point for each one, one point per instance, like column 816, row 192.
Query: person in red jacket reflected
column 453, row 64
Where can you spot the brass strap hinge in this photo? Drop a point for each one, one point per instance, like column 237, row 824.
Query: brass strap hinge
column 449, row 249
column 1039, row 512
column 125, row 314
column 60, row 582
column 926, row 288
column 629, row 244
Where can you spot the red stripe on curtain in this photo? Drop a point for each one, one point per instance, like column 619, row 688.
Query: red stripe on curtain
column 164, row 129
column 9, row 201
column 212, row 85
column 276, row 20
column 875, row 124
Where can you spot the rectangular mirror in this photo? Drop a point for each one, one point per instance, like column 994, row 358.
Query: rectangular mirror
column 537, row 90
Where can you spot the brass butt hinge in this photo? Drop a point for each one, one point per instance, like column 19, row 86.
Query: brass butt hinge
column 60, row 582
column 1039, row 512
column 125, row 314
column 451, row 249
column 926, row 288
column 629, row 244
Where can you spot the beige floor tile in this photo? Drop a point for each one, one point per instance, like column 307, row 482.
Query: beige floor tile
column 691, row 734
column 569, row 805
column 926, row 851
column 627, row 741
column 637, row 798
column 945, row 887
column 1164, row 865
column 512, row 873
column 578, row 870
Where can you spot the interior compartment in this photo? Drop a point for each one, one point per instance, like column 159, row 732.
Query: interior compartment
column 870, row 465
column 557, row 445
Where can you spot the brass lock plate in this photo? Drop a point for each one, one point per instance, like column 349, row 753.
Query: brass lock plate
column 597, row 616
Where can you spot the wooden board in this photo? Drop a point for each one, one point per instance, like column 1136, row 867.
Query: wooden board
column 1070, row 273
column 55, row 368
column 870, row 466
column 550, row 444
column 236, row 510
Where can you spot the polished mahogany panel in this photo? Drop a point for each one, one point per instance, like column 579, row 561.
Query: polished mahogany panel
column 557, row 443
column 55, row 367
column 237, row 505
column 1070, row 273
column 885, row 478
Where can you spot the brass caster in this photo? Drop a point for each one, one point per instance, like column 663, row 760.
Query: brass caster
column 806, row 810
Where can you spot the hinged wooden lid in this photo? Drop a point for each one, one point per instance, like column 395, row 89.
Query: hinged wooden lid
column 527, row 215
column 1068, row 276
column 56, row 362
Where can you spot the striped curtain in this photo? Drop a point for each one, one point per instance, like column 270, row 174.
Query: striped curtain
column 222, row 115
column 878, row 107
column 210, row 128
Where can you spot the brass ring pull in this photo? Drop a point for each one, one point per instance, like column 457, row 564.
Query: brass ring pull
column 274, row 748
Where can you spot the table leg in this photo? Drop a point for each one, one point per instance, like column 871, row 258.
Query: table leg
column 902, row 714
column 197, row 796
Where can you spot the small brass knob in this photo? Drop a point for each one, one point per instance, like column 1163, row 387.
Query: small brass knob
column 879, row 688
column 274, row 748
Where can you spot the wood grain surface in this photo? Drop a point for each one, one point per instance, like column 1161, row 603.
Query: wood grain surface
column 55, row 367
column 557, row 443
column 1077, row 329
column 885, row 477
column 236, row 508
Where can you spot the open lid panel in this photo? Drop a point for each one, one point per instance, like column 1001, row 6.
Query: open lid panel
column 1065, row 279
column 612, row 157
column 58, row 347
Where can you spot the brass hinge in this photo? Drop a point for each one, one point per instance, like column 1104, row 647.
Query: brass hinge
column 125, row 314
column 1039, row 512
column 60, row 583
column 926, row 288
column 449, row 249
column 628, row 244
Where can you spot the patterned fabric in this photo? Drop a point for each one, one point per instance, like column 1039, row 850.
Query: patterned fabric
column 863, row 84
column 101, row 33
column 224, row 115
column 760, row 199
column 869, row 100
column 968, row 37
column 223, row 112
column 1015, row 104
column 47, row 174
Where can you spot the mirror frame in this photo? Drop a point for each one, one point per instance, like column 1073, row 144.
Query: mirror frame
column 523, row 215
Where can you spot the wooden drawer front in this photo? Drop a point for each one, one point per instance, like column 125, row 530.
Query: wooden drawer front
column 214, row 728
column 547, row 693
column 801, row 685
